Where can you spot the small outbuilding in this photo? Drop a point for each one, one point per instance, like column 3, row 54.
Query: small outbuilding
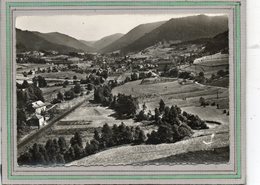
column 36, row 121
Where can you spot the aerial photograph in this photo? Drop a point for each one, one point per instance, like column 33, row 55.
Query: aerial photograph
column 122, row 89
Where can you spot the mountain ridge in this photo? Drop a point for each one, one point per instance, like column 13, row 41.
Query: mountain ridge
column 202, row 26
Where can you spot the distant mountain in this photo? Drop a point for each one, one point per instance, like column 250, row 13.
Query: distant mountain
column 105, row 41
column 62, row 39
column 28, row 41
column 88, row 43
column 182, row 29
column 131, row 36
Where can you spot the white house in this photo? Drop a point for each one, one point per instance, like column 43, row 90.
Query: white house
column 39, row 107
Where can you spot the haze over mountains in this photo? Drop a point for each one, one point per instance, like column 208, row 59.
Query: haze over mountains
column 131, row 36
column 142, row 36
column 103, row 42
column 29, row 41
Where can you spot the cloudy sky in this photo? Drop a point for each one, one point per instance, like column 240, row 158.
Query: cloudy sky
column 89, row 27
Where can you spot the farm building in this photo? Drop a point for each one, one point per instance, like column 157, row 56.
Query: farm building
column 37, row 121
column 39, row 107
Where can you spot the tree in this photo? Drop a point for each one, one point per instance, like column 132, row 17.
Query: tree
column 165, row 133
column 77, row 89
column 144, row 107
column 96, row 135
column 70, row 155
column 106, row 136
column 65, row 83
column 69, row 95
column 141, row 137
column 221, row 73
column 62, row 144
column 60, row 96
column 75, row 77
column 162, row 106
column 25, row 84
column 37, row 157
column 201, row 74
column 141, row 116
column 60, row 159
column 78, row 150
column 21, row 118
column 76, row 139
column 156, row 115
column 134, row 76
column 202, row 101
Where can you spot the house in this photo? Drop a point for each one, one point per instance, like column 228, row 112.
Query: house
column 36, row 121
column 39, row 107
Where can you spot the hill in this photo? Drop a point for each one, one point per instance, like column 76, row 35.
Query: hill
column 105, row 41
column 88, row 43
column 181, row 29
column 217, row 43
column 62, row 39
column 131, row 36
column 30, row 41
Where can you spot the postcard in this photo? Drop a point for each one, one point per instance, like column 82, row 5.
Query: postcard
column 120, row 92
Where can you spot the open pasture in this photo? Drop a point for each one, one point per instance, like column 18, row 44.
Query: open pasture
column 173, row 93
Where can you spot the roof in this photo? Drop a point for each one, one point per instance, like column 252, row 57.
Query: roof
column 38, row 104
column 35, row 116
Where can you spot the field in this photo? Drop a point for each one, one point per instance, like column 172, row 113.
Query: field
column 173, row 93
column 208, row 70
column 85, row 120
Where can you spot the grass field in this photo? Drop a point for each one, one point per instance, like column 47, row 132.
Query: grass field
column 215, row 155
column 63, row 75
column 174, row 93
column 85, row 120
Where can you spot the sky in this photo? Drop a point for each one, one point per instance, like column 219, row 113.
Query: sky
column 90, row 27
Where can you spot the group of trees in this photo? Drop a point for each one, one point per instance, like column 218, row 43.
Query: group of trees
column 53, row 152
column 68, row 95
column 123, row 104
column 39, row 81
column 57, row 151
column 173, row 124
column 27, row 94
column 114, row 136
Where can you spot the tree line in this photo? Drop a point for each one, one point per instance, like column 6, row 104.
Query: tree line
column 58, row 151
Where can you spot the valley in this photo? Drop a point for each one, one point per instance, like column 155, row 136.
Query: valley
column 153, row 95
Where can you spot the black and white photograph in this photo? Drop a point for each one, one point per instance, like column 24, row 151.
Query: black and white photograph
column 123, row 89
